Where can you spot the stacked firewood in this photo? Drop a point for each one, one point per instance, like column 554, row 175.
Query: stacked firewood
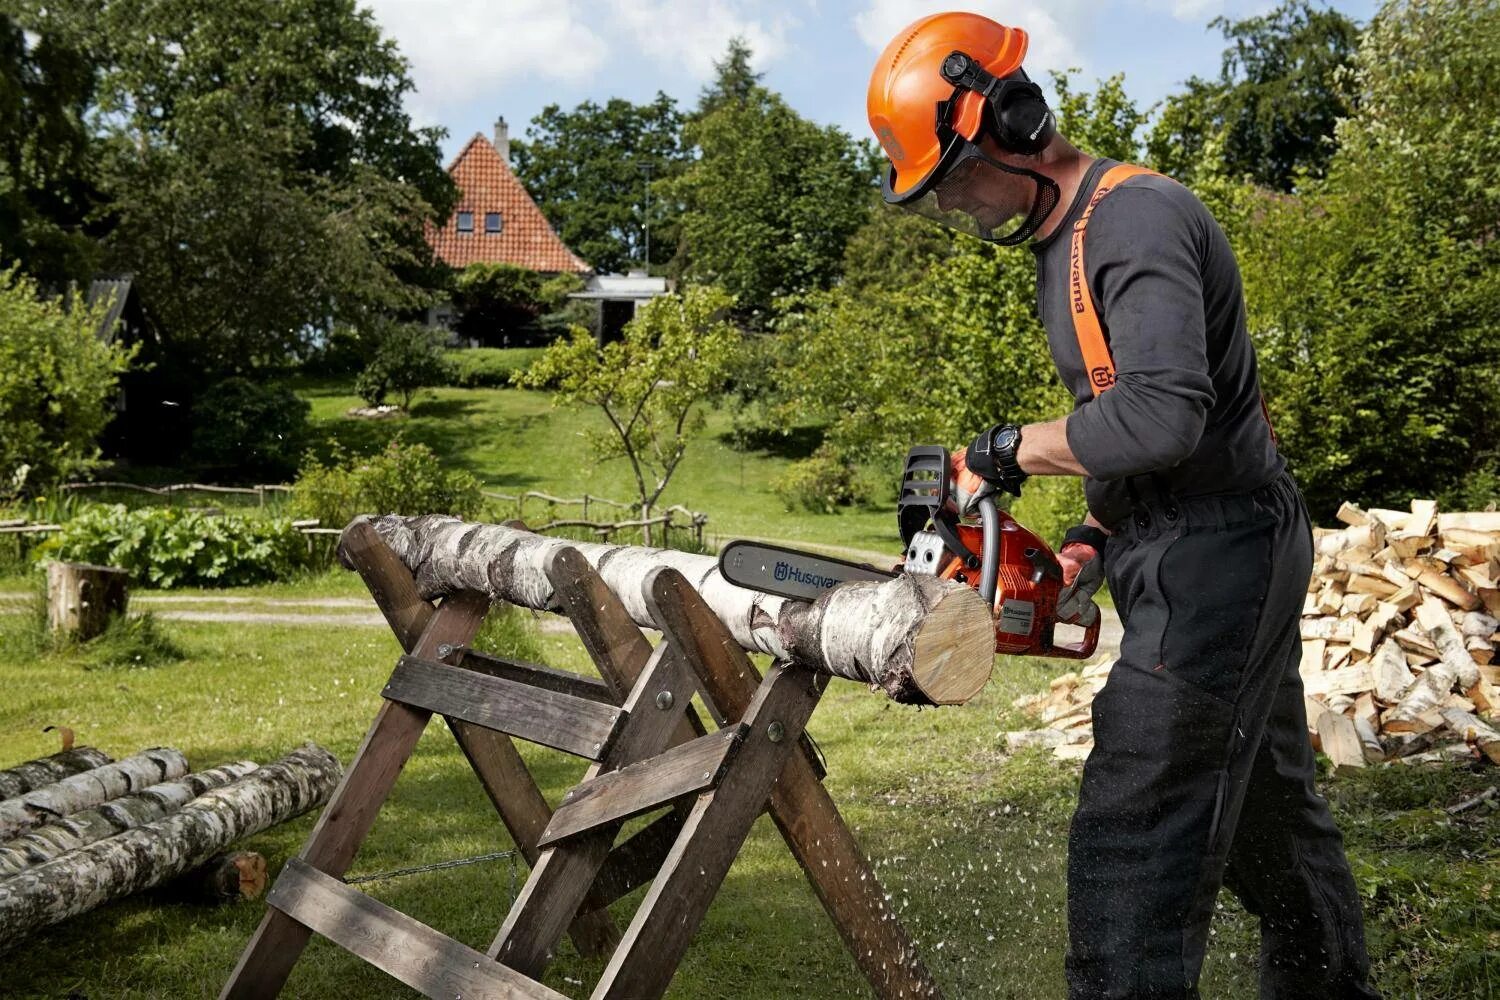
column 1399, row 634
column 78, row 829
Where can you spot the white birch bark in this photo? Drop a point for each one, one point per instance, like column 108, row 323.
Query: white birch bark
column 124, row 813
column 34, row 774
column 137, row 859
column 920, row 639
column 89, row 788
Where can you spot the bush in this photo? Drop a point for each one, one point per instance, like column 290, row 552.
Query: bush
column 407, row 357
column 403, row 479
column 57, row 378
column 251, row 428
column 822, row 483
column 165, row 547
column 488, row 367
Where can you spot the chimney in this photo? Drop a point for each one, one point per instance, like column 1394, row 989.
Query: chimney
column 502, row 139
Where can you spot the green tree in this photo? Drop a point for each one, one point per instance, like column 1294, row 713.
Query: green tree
column 676, row 354
column 1106, row 123
column 770, row 200
column 57, row 380
column 588, row 170
column 46, row 192
column 1276, row 100
column 261, row 172
column 407, row 358
column 1375, row 298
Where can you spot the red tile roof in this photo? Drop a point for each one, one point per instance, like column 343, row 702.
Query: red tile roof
column 525, row 239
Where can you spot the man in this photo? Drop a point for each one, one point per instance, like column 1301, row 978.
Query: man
column 1202, row 772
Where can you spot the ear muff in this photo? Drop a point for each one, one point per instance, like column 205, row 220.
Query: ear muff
column 1023, row 122
column 1020, row 118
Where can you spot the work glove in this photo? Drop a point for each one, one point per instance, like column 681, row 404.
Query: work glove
column 1083, row 575
column 968, row 487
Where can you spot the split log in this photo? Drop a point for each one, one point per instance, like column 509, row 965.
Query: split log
column 920, row 639
column 149, row 855
column 1340, row 741
column 125, row 813
column 1433, row 618
column 1391, row 674
column 224, row 878
column 89, row 788
column 1471, row 729
column 81, row 597
column 34, row 774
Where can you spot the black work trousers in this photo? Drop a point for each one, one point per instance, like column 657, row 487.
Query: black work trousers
column 1202, row 770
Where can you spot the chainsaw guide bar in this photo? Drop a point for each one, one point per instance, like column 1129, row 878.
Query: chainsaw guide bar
column 801, row 576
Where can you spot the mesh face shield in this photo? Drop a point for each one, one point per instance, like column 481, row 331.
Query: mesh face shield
column 984, row 198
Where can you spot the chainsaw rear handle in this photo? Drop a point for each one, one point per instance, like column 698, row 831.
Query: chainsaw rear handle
column 1080, row 650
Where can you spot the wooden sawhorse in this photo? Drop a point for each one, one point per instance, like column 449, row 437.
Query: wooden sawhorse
column 650, row 750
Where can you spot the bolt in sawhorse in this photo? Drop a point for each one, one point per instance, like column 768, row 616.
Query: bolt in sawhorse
column 650, row 750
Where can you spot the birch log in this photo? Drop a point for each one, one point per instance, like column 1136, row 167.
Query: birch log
column 34, row 774
column 125, row 813
column 89, row 788
column 138, row 859
column 920, row 639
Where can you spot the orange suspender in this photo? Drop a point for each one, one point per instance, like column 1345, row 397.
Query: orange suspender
column 1096, row 357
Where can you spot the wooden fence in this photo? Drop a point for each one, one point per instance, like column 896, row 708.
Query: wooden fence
column 692, row 520
column 675, row 517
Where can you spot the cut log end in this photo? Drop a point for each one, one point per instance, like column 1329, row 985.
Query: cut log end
column 953, row 653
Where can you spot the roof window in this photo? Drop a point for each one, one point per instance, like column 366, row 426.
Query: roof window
column 493, row 224
column 466, row 222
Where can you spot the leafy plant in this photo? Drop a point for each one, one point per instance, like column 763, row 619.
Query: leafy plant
column 402, row 479
column 57, row 379
column 167, row 547
column 822, row 484
column 249, row 428
column 488, row 367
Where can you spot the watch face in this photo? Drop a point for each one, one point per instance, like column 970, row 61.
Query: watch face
column 1006, row 439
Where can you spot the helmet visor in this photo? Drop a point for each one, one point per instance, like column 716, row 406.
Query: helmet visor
column 984, row 198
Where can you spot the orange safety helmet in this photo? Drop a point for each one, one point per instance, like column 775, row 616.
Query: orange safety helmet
column 908, row 83
column 939, row 83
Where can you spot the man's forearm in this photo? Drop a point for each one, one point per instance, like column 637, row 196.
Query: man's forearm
column 1045, row 450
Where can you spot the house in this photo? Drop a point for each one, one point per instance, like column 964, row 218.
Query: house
column 618, row 296
column 495, row 219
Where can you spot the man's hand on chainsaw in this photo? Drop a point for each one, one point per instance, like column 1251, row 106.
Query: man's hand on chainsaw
column 968, row 487
column 1083, row 574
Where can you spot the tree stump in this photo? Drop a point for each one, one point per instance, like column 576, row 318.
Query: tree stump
column 81, row 597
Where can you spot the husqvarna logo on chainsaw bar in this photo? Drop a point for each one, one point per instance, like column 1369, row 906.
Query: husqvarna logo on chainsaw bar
column 785, row 571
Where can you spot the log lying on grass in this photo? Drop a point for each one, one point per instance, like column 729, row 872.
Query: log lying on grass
column 224, row 878
column 89, row 788
column 921, row 640
column 125, row 813
column 34, row 774
column 138, row 859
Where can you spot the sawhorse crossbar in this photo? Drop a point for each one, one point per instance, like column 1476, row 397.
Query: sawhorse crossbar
column 650, row 750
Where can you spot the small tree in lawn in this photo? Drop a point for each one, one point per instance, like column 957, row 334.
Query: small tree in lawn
column 678, row 352
column 407, row 357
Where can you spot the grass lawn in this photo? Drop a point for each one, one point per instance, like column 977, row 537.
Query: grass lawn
column 514, row 440
column 970, row 844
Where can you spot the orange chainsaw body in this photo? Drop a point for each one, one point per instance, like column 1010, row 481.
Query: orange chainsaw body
column 1026, row 591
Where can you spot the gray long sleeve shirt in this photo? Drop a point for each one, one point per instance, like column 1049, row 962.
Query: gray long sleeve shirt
column 1186, row 402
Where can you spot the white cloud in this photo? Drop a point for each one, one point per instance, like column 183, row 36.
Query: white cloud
column 691, row 34
column 461, row 50
column 1051, row 46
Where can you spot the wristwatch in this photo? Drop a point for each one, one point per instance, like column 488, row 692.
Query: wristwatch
column 992, row 457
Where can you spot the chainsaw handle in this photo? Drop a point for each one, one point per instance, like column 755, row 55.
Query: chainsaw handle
column 989, row 565
column 1081, row 650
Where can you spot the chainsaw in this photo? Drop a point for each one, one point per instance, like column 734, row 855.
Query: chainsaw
column 1014, row 571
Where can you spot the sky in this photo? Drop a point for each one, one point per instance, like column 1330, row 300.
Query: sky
column 474, row 60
